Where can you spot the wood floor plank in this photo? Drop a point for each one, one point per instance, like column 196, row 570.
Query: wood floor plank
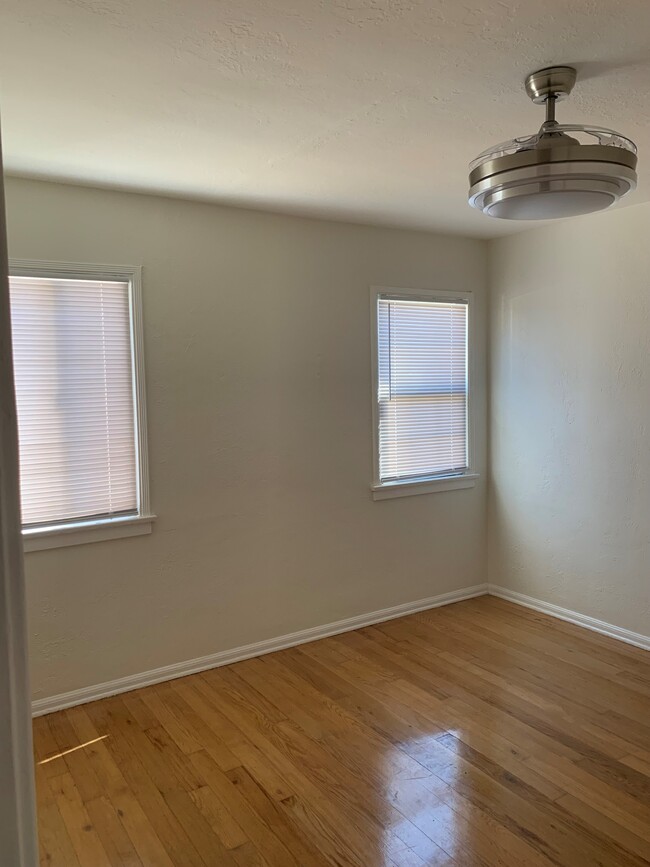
column 603, row 823
column 558, row 719
column 638, row 762
column 518, row 805
column 55, row 845
column 223, row 824
column 626, row 810
column 134, row 765
column 83, row 835
column 74, row 758
column 312, row 772
column 129, row 810
column 267, row 839
column 160, row 700
column 465, row 727
column 340, row 807
column 480, row 734
column 47, row 753
column 462, row 828
column 247, row 855
column 331, row 754
column 595, row 690
column 269, row 811
column 116, row 842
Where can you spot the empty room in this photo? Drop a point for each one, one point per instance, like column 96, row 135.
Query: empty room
column 325, row 433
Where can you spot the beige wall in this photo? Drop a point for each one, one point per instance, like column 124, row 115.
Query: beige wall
column 569, row 512
column 258, row 380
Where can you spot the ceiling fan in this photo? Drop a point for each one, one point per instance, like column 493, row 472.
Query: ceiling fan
column 561, row 171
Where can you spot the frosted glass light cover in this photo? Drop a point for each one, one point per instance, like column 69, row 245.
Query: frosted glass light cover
column 550, row 205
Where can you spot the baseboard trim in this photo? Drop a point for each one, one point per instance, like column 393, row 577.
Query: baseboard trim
column 44, row 706
column 626, row 635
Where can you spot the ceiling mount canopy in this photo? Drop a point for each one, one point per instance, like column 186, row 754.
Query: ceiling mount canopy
column 561, row 171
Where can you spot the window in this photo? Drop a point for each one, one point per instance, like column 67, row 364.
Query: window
column 421, row 392
column 77, row 347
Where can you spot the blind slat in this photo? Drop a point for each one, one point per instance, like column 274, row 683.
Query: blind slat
column 74, row 394
column 422, row 387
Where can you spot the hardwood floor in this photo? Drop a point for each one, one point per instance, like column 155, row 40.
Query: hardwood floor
column 476, row 734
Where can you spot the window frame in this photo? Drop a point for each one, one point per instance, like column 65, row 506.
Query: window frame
column 404, row 488
column 82, row 531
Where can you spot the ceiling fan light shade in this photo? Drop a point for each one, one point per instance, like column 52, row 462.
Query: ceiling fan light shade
column 548, row 204
column 553, row 183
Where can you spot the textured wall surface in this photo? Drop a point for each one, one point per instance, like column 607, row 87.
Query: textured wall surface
column 569, row 513
column 257, row 350
column 356, row 109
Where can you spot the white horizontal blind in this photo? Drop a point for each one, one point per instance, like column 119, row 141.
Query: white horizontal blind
column 75, row 398
column 422, row 388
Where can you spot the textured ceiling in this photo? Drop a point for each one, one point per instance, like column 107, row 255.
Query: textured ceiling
column 365, row 110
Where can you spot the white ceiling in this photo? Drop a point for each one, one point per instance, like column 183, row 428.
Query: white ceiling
column 367, row 110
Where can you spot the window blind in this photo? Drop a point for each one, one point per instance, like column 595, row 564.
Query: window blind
column 75, row 399
column 422, row 388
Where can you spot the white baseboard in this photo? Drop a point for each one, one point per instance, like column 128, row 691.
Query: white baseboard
column 635, row 638
column 43, row 706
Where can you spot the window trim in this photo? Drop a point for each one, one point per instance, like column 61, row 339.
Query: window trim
column 95, row 529
column 433, row 484
column 83, row 532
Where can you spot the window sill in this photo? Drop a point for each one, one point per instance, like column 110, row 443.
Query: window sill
column 389, row 490
column 61, row 536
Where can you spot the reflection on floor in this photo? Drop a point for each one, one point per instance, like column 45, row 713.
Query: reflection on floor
column 476, row 734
